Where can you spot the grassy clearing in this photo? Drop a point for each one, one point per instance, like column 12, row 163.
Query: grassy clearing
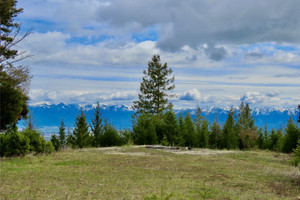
column 139, row 173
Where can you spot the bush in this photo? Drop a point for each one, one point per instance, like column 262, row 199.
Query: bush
column 296, row 159
column 14, row 144
column 36, row 140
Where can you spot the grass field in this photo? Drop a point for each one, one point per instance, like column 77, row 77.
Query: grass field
column 140, row 173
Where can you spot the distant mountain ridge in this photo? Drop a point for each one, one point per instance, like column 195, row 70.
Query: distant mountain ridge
column 120, row 115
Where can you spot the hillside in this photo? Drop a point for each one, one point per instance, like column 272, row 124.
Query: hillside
column 140, row 173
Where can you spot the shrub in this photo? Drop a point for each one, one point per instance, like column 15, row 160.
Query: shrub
column 13, row 144
column 296, row 158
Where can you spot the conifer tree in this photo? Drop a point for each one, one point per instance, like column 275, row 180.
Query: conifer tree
column 81, row 131
column 215, row 135
column 229, row 139
column 182, row 131
column 246, row 127
column 171, row 128
column 153, row 96
column 291, row 137
column 62, row 134
column 189, row 136
column 14, row 79
column 204, row 136
column 97, row 126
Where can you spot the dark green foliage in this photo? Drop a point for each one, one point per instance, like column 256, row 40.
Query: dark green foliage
column 97, row 127
column 153, row 97
column 296, row 158
column 55, row 142
column 13, row 104
column 276, row 138
column 13, row 144
column 36, row 140
column 62, row 135
column 110, row 136
column 190, row 135
column 215, row 136
column 230, row 138
column 144, row 129
column 81, row 136
column 8, row 12
column 14, row 79
column 291, row 137
column 171, row 128
column 246, row 128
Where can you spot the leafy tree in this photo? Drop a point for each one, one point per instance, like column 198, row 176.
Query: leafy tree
column 14, row 79
column 97, row 127
column 153, row 97
column 13, row 143
column 62, row 135
column 81, row 137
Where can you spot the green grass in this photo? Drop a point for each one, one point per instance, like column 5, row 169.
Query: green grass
column 139, row 173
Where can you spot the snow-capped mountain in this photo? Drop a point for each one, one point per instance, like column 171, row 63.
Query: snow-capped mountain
column 120, row 115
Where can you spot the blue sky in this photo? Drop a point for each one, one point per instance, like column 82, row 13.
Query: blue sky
column 221, row 52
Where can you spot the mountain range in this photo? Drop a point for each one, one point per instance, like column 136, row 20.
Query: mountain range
column 47, row 117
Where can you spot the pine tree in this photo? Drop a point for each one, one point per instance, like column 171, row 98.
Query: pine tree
column 182, row 131
column 153, row 97
column 246, row 127
column 204, row 136
column 171, row 127
column 62, row 134
column 14, row 79
column 189, row 136
column 229, row 139
column 97, row 127
column 215, row 135
column 291, row 137
column 81, row 133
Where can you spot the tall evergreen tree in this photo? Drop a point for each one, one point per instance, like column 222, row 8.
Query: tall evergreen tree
column 171, row 127
column 190, row 134
column 97, row 126
column 246, row 127
column 62, row 134
column 291, row 137
column 229, row 139
column 81, row 131
column 153, row 96
column 14, row 79
column 215, row 135
column 204, row 134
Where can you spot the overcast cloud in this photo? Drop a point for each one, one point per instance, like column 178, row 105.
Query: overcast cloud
column 221, row 52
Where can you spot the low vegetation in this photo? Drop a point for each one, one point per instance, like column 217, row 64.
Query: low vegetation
column 134, row 172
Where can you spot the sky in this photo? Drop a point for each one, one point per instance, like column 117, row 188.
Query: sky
column 221, row 52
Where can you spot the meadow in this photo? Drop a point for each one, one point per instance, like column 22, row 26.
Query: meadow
column 136, row 172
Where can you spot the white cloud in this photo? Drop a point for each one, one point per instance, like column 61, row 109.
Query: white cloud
column 196, row 22
column 191, row 95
